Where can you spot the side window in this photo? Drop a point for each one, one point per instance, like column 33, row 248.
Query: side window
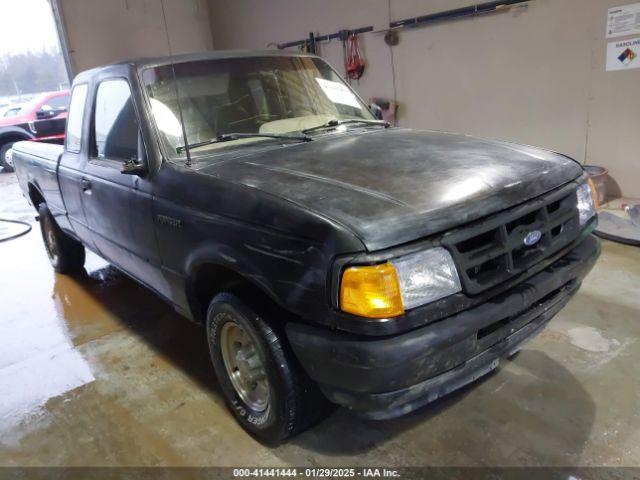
column 74, row 121
column 59, row 103
column 115, row 135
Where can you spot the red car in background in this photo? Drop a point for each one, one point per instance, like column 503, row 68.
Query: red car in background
column 42, row 119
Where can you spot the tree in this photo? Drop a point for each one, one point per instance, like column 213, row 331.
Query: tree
column 32, row 72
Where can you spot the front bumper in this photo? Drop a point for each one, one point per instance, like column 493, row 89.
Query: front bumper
column 384, row 377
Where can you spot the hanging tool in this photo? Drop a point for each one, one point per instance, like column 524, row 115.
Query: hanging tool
column 354, row 61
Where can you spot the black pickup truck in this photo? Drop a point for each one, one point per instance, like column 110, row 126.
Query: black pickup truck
column 328, row 255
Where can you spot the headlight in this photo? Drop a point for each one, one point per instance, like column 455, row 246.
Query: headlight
column 586, row 205
column 426, row 276
column 386, row 290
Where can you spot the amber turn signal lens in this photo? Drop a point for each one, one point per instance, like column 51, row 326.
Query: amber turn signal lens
column 371, row 291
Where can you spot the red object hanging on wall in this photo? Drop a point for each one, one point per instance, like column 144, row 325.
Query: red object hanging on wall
column 355, row 61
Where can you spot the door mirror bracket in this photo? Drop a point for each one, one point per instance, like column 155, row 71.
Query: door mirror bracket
column 131, row 167
column 137, row 166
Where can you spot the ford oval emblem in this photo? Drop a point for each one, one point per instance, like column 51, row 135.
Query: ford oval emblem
column 532, row 238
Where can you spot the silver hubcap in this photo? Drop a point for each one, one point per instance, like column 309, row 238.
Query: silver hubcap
column 8, row 158
column 244, row 367
column 52, row 245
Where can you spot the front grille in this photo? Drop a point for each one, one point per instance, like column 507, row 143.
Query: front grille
column 492, row 250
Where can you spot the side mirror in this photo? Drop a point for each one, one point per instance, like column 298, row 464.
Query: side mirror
column 376, row 110
column 131, row 167
column 44, row 114
column 137, row 166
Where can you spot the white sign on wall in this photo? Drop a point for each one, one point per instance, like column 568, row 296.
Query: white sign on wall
column 623, row 20
column 623, row 55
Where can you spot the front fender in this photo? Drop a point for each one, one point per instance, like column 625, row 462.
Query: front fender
column 290, row 272
column 276, row 246
column 233, row 260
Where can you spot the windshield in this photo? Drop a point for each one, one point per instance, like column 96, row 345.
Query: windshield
column 274, row 95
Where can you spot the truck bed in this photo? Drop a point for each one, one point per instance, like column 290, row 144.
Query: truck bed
column 36, row 164
column 37, row 151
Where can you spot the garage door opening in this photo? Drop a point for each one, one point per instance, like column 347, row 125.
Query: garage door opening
column 34, row 75
column 31, row 58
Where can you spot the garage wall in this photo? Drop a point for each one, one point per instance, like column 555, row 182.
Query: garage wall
column 534, row 75
column 105, row 31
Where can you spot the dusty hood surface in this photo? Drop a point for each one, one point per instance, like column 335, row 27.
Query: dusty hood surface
column 397, row 185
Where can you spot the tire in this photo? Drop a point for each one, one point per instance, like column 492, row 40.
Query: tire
column 66, row 254
column 293, row 401
column 4, row 162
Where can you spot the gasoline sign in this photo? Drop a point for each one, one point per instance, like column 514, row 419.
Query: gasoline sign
column 623, row 55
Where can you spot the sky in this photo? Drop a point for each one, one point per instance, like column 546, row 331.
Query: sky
column 27, row 25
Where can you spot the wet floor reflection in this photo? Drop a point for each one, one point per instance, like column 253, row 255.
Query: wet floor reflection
column 37, row 362
column 47, row 330
column 113, row 301
column 38, row 358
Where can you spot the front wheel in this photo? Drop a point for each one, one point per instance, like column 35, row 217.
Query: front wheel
column 66, row 254
column 5, row 157
column 269, row 394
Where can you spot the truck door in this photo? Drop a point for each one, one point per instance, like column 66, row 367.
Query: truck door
column 51, row 117
column 70, row 167
column 119, row 206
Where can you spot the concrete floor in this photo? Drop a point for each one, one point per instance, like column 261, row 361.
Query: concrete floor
column 99, row 371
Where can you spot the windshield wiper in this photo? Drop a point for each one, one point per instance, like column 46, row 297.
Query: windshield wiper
column 227, row 137
column 331, row 124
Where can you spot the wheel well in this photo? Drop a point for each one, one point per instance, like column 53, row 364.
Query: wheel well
column 35, row 196
column 211, row 279
column 12, row 137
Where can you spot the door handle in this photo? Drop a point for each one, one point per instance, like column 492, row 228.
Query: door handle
column 86, row 184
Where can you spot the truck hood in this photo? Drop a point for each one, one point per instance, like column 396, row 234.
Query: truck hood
column 397, row 185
